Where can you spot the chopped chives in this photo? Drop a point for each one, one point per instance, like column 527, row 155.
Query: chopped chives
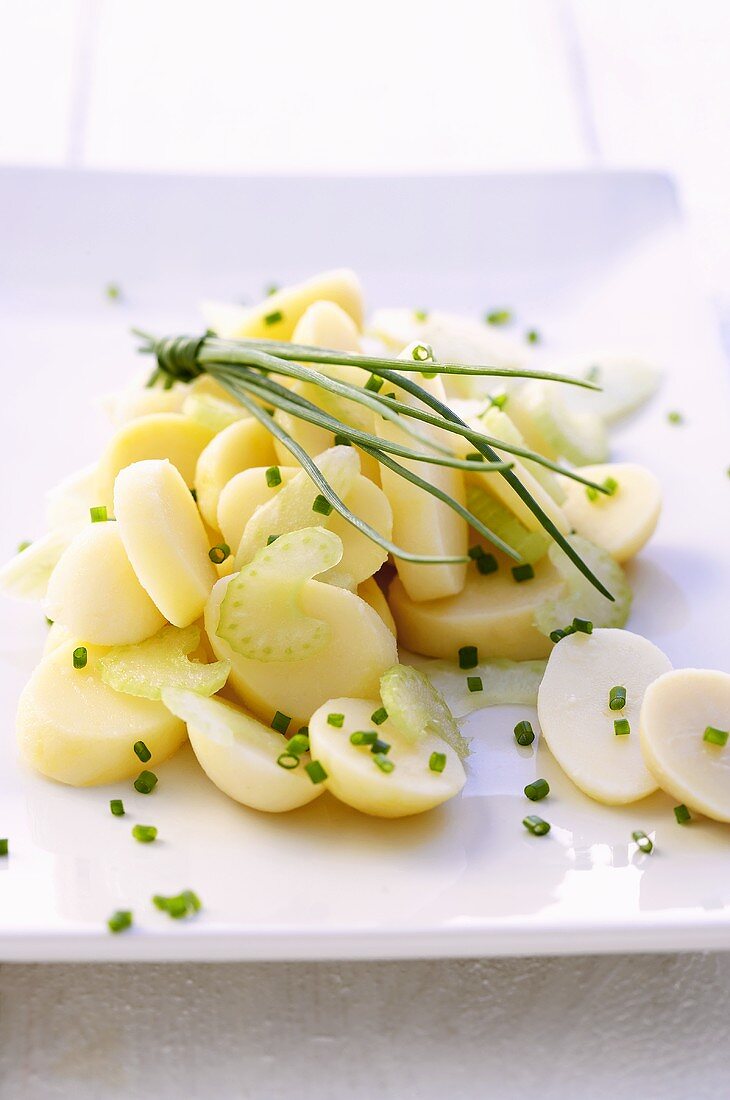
column 468, row 656
column 117, row 807
column 536, row 825
column 537, row 790
column 558, row 635
column 120, row 920
column 304, row 730
column 437, row 761
column 321, row 505
column 141, row 750
column 383, row 762
column 422, row 353
column 219, row 553
column 315, row 771
column 592, row 493
column 274, row 317
column 498, row 317
column 675, row 418
column 682, row 814
column 270, row 539
column 98, row 513
column 524, row 733
column 288, row 761
column 271, row 289
column 715, row 737
column 487, row 563
column 179, row 905
column 145, row 834
column 532, row 336
column 379, row 746
column 610, row 485
column 337, row 720
column 374, row 384
column 379, row 716
column 113, row 292
column 49, row 622
column 23, row 545
column 280, row 722
column 617, row 698
column 273, row 476
column 582, row 626
column 3, row 846
column 363, row 737
column 474, row 683
column 298, row 744
column 342, row 440
column 145, row 782
column 499, row 400
column 80, row 657
column 621, row 727
column 642, row 840
column 523, row 572
column 420, row 314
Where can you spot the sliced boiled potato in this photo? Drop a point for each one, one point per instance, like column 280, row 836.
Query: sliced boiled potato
column 575, row 718
column 136, row 401
column 68, row 503
column 372, row 593
column 240, row 755
column 276, row 317
column 244, row 494
column 241, row 445
column 553, row 428
column 359, row 650
column 353, row 774
column 677, row 709
column 626, row 382
column 94, row 591
column 26, row 575
column 580, row 598
column 492, row 612
column 162, row 661
column 165, row 539
column 169, row 436
column 248, row 498
column 623, row 522
column 74, row 728
column 421, row 523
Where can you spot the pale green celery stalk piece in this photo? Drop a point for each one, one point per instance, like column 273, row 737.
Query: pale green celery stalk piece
column 27, row 574
column 260, row 614
column 212, row 412
column 160, row 662
column 506, row 683
column 416, row 707
column 550, row 425
column 530, row 545
column 499, row 424
column 580, row 598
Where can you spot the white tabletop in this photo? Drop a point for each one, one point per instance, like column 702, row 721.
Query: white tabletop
column 391, row 86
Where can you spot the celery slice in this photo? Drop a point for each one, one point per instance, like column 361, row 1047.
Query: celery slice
column 530, row 545
column 162, row 662
column 506, row 683
column 416, row 707
column 581, row 599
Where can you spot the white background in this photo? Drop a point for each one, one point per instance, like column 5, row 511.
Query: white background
column 397, row 86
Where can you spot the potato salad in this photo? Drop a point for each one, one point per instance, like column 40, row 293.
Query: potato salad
column 315, row 540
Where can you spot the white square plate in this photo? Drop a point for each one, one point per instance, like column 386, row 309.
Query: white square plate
column 592, row 261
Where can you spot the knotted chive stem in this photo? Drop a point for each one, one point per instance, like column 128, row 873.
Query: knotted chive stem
column 183, row 358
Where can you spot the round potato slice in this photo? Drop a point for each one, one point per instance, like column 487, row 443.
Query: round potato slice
column 161, row 435
column 361, row 557
column 577, row 722
column 241, row 445
column 354, row 775
column 165, row 539
column 94, row 591
column 73, row 728
column 240, row 755
column 678, row 708
column 276, row 317
column 492, row 612
column 621, row 523
column 359, row 650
